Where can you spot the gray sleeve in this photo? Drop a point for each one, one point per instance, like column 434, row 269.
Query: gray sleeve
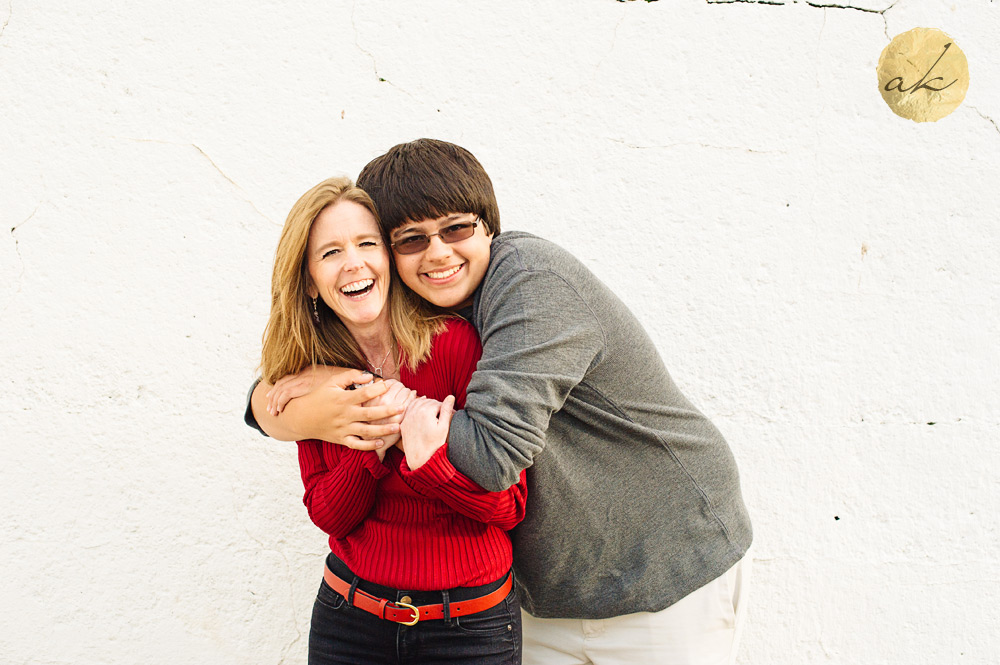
column 539, row 339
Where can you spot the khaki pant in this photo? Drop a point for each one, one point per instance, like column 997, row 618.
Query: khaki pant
column 703, row 628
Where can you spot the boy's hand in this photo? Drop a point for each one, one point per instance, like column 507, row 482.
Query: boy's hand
column 425, row 428
column 301, row 383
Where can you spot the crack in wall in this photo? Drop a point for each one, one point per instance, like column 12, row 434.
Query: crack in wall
column 985, row 117
column 858, row 9
column 246, row 197
column 614, row 40
column 354, row 26
column 880, row 12
column 10, row 12
column 288, row 572
column 235, row 184
column 818, row 5
column 291, row 593
column 667, row 146
column 371, row 56
column 20, row 259
column 744, row 2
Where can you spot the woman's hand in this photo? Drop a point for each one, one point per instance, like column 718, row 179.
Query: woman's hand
column 425, row 428
column 396, row 395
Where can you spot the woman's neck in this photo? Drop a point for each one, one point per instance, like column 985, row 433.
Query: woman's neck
column 377, row 345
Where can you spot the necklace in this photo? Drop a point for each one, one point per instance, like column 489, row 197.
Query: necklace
column 378, row 370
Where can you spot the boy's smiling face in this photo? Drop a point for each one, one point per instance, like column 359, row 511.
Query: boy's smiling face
column 445, row 274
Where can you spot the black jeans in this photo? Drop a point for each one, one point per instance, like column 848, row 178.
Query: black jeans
column 341, row 634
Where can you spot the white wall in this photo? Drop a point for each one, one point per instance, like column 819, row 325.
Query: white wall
column 819, row 274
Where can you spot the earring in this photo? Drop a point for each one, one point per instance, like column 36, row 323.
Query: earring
column 315, row 312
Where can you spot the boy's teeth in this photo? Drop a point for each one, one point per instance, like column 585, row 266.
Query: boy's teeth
column 357, row 286
column 443, row 273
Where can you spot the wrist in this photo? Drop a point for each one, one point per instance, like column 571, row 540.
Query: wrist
column 417, row 458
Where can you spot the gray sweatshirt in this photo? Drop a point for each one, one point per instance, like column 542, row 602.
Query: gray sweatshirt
column 633, row 495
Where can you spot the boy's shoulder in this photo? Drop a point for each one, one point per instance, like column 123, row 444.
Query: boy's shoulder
column 516, row 250
column 527, row 269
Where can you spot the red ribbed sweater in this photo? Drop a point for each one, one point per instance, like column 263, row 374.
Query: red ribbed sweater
column 432, row 528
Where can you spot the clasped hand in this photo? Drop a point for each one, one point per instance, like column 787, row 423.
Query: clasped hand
column 370, row 417
column 423, row 426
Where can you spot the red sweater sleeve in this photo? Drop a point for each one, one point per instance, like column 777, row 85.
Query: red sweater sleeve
column 455, row 360
column 438, row 479
column 340, row 484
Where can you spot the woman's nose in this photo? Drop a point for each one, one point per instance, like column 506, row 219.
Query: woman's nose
column 352, row 259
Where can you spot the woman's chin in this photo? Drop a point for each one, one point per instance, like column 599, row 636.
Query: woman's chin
column 364, row 316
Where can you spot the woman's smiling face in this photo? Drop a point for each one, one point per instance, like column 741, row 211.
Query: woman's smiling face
column 349, row 265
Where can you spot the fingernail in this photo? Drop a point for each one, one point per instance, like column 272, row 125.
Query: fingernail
column 379, row 443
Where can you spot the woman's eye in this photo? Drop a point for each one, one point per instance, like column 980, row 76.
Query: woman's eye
column 369, row 243
column 330, row 252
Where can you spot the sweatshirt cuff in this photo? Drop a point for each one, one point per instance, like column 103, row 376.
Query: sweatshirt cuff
column 248, row 416
column 437, row 471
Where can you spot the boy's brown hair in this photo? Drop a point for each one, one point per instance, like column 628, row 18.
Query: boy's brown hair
column 426, row 179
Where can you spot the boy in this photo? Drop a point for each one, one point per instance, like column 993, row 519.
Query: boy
column 633, row 547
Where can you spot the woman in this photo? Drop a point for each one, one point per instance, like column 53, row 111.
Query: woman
column 420, row 559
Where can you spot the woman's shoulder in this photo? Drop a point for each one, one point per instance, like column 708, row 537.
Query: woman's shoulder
column 456, row 332
column 453, row 345
column 457, row 326
column 455, row 349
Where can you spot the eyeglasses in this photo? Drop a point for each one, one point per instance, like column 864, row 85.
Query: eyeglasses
column 418, row 242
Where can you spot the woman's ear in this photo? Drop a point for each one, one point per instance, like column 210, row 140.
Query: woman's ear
column 311, row 289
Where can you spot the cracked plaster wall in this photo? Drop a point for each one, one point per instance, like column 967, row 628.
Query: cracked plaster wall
column 819, row 274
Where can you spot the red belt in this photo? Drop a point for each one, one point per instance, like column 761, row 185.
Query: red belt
column 409, row 615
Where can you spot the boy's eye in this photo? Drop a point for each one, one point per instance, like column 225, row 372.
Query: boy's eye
column 411, row 240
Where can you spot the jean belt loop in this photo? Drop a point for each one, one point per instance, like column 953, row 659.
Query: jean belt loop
column 354, row 587
column 446, row 601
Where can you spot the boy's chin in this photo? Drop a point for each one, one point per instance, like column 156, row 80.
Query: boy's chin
column 451, row 301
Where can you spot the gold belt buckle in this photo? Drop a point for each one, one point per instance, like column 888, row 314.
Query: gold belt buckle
column 416, row 614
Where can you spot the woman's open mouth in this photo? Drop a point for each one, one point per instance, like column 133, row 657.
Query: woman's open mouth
column 359, row 289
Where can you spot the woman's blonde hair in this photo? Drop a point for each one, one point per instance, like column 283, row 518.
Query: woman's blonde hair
column 293, row 339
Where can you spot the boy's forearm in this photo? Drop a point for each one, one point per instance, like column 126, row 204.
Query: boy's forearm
column 330, row 411
column 285, row 426
column 539, row 339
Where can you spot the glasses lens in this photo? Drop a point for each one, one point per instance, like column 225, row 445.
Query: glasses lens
column 457, row 232
column 420, row 242
column 412, row 244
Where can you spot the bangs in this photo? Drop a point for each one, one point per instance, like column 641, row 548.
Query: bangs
column 427, row 179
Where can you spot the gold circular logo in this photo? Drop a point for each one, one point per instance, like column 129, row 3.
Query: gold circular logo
column 923, row 75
